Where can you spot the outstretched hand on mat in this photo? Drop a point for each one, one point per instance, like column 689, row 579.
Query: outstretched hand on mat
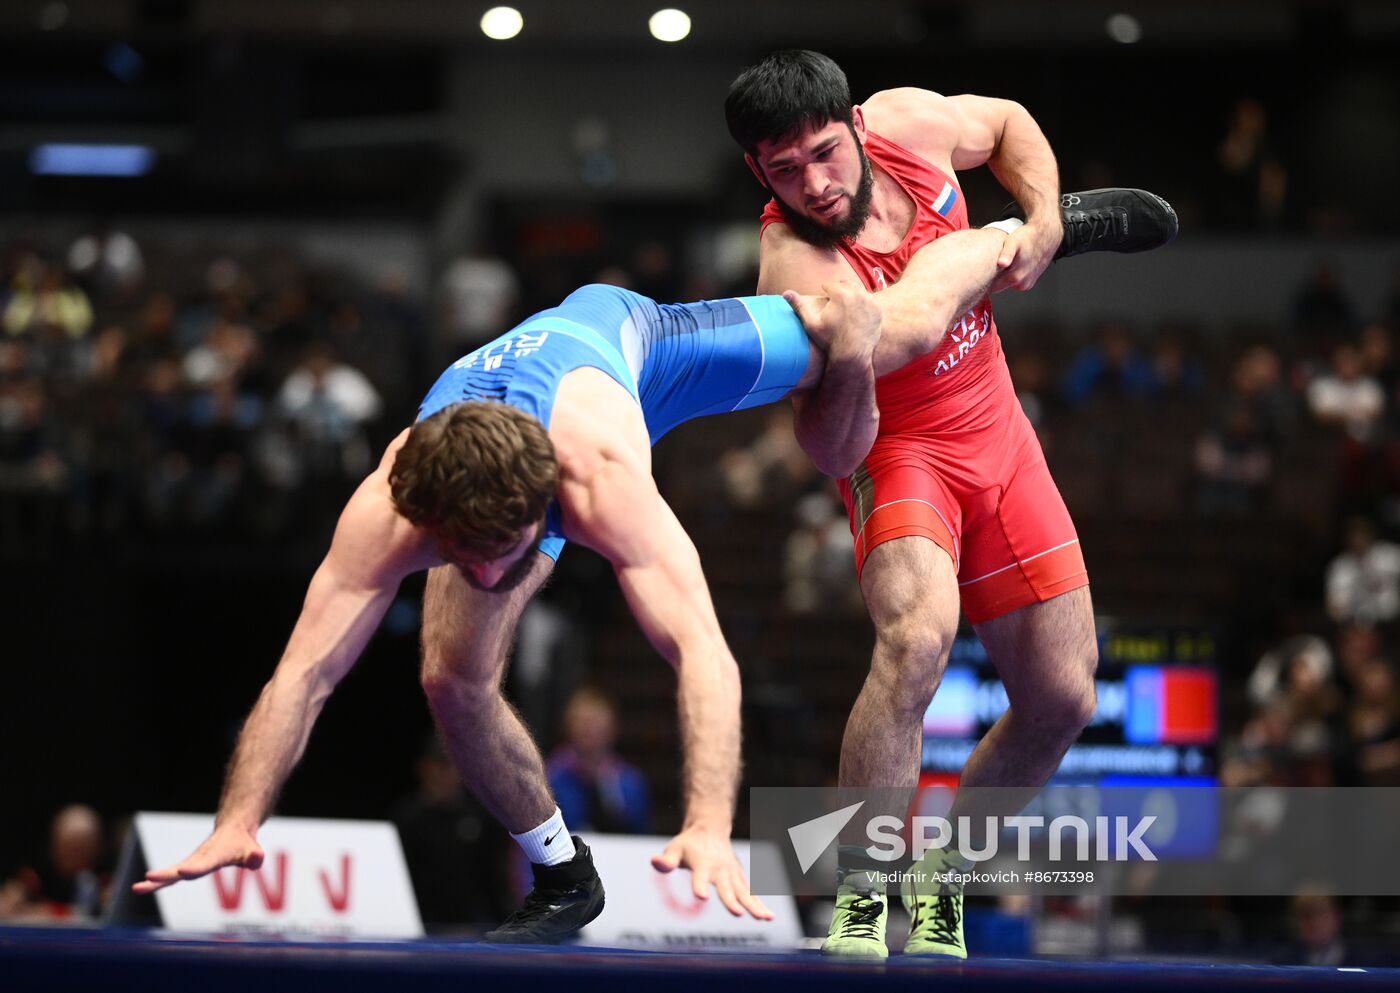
column 711, row 861
column 225, row 847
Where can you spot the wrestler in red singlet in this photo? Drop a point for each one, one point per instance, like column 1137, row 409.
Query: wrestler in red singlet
column 956, row 460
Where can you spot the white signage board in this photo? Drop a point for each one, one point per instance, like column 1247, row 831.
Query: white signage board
column 650, row 909
column 324, row 877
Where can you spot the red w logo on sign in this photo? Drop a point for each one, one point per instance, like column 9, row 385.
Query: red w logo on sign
column 273, row 888
column 274, row 894
column 338, row 899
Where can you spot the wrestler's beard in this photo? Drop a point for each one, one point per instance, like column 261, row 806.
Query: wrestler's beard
column 832, row 235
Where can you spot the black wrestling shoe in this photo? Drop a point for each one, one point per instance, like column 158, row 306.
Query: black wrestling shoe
column 565, row 898
column 1112, row 220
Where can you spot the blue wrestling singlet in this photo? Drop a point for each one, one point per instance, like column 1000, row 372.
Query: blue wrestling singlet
column 680, row 361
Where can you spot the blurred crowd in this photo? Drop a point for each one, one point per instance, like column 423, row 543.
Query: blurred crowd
column 149, row 392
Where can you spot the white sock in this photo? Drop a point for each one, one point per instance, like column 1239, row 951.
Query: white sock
column 1007, row 226
column 548, row 844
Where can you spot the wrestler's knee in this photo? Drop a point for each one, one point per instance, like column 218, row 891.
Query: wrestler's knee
column 1066, row 706
column 456, row 694
column 910, row 655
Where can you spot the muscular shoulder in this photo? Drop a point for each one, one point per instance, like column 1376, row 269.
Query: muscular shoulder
column 786, row 262
column 374, row 545
column 952, row 132
column 605, row 493
column 922, row 121
column 597, row 427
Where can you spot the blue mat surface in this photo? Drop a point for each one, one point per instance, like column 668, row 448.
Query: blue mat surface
column 95, row 961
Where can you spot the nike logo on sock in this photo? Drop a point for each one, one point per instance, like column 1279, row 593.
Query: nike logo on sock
column 550, row 840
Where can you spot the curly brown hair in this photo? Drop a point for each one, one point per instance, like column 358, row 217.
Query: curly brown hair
column 476, row 474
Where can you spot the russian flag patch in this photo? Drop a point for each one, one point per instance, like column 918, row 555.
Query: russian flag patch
column 946, row 199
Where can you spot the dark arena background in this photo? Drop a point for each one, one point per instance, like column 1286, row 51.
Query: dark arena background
column 239, row 240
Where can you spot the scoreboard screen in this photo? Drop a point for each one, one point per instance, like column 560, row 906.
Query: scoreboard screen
column 1157, row 714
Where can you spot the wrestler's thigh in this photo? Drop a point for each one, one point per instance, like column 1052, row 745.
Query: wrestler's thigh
column 911, row 590
column 1045, row 652
column 467, row 631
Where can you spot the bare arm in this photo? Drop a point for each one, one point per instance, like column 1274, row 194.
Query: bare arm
column 1003, row 135
column 372, row 550
column 617, row 511
column 942, row 282
column 966, row 131
column 837, row 422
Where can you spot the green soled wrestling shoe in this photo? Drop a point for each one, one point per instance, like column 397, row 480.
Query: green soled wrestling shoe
column 858, row 923
column 936, row 909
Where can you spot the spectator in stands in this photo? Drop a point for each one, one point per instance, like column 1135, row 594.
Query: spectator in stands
column 1363, row 581
column 818, row 574
column 1378, row 358
column 1177, row 376
column 1252, row 183
column 107, row 262
column 153, row 334
column 1269, row 681
column 386, row 335
column 287, row 317
column 228, row 351
column 1356, row 644
column 1373, row 720
column 17, row 364
column 1234, row 464
column 1316, row 921
column 770, row 471
column 68, row 884
column 549, row 662
column 1314, row 707
column 1390, row 315
column 1110, row 369
column 216, row 438
column 44, row 302
column 1323, row 316
column 1295, row 735
column 1256, row 381
column 596, row 789
column 1348, row 397
column 162, row 405
column 480, row 297
column 330, row 404
column 105, row 447
column 654, row 272
column 456, row 852
column 30, row 461
column 1031, row 375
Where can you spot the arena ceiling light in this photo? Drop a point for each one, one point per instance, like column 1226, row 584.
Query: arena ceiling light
column 1124, row 29
column 53, row 16
column 501, row 23
column 669, row 24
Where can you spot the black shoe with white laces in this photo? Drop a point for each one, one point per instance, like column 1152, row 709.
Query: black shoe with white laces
column 1112, row 220
column 565, row 897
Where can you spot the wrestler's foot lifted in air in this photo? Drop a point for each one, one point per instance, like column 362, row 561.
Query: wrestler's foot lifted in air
column 1111, row 220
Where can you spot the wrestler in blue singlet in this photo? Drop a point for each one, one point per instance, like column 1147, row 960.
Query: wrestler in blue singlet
column 680, row 361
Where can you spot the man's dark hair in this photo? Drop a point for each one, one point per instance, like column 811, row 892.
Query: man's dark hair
column 787, row 91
